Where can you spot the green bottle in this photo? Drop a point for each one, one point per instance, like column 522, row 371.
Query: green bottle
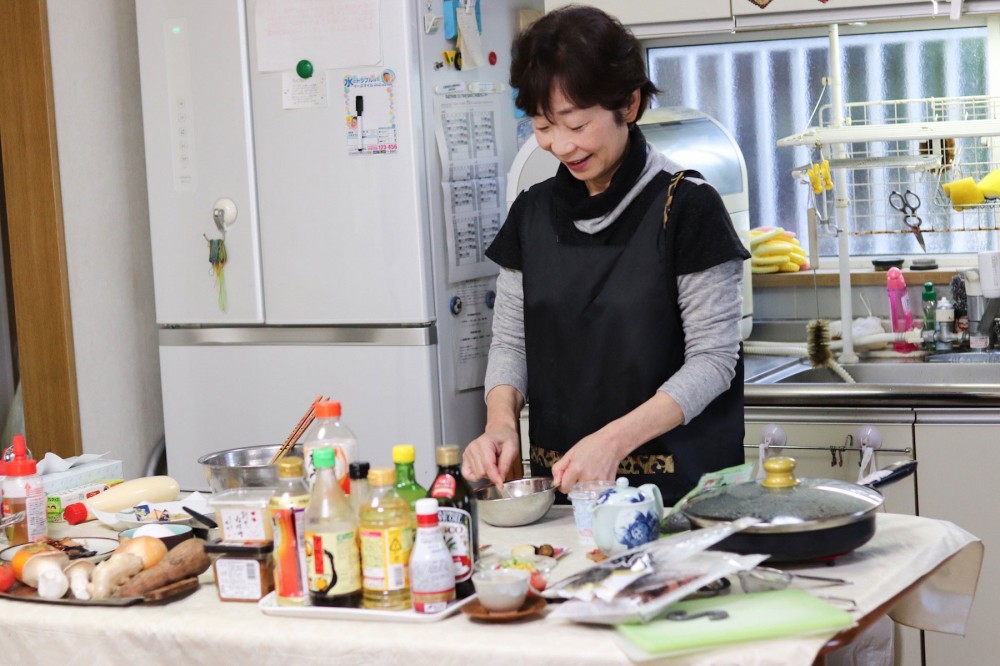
column 403, row 456
column 929, row 302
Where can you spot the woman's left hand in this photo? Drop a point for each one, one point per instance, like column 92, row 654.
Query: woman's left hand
column 593, row 458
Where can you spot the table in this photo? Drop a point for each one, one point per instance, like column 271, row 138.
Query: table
column 926, row 568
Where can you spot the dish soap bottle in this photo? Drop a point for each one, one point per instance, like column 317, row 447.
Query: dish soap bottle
column 901, row 313
column 928, row 300
column 331, row 539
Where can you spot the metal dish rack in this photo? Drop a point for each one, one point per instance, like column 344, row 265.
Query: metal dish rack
column 909, row 144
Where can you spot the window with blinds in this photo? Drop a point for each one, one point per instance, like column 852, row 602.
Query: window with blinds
column 765, row 90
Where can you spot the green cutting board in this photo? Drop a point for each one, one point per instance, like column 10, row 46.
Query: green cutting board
column 752, row 617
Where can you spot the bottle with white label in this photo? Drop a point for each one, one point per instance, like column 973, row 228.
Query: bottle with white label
column 432, row 576
column 327, row 431
column 458, row 516
column 331, row 540
column 22, row 491
column 386, row 542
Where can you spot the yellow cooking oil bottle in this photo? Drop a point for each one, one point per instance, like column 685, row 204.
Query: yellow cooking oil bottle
column 387, row 531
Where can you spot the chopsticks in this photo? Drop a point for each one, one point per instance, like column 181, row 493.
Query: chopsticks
column 300, row 428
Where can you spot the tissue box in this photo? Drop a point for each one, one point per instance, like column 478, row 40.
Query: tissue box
column 58, row 500
column 80, row 475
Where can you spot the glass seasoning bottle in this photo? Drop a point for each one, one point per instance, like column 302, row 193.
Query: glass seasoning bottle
column 458, row 516
column 286, row 510
column 361, row 492
column 333, row 564
column 386, row 541
column 403, row 456
column 432, row 578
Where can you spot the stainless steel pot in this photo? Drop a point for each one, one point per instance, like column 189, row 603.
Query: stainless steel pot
column 801, row 519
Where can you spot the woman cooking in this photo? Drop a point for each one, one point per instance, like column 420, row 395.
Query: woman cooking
column 618, row 299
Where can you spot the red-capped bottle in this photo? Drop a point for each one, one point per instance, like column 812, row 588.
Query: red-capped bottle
column 23, row 491
column 458, row 516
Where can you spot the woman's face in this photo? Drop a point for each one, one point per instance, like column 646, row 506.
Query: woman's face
column 590, row 142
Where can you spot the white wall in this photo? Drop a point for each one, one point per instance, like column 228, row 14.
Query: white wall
column 95, row 71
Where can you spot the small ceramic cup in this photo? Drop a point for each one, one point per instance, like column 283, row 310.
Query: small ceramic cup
column 501, row 590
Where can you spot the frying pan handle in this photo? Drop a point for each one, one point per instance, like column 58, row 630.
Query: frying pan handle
column 891, row 474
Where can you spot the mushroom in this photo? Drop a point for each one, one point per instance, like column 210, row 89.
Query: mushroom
column 79, row 573
column 44, row 572
column 40, row 562
column 111, row 573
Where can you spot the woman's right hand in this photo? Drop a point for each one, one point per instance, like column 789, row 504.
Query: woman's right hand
column 491, row 454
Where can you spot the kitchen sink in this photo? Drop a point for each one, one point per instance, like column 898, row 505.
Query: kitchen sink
column 937, row 373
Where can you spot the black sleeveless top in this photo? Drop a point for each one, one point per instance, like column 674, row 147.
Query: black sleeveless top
column 602, row 323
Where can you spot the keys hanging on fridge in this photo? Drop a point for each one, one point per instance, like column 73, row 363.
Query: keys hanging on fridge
column 224, row 214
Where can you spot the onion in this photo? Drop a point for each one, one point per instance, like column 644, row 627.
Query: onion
column 149, row 549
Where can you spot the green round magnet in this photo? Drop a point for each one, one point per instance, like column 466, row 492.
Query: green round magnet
column 304, row 69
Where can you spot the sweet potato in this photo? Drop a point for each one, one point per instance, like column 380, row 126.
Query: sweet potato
column 184, row 560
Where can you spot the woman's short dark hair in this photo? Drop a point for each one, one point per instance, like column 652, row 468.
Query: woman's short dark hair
column 591, row 56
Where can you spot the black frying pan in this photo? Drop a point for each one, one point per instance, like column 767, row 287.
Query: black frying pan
column 805, row 519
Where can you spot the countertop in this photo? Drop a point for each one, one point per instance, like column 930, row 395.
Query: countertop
column 911, row 562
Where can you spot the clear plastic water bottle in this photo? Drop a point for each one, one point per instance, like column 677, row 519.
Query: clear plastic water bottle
column 328, row 431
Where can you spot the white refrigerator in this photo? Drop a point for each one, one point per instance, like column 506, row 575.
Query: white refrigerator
column 350, row 270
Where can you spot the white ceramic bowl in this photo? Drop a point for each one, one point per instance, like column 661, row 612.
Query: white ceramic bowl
column 501, row 590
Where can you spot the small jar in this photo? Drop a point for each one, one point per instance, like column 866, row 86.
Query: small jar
column 242, row 515
column 243, row 571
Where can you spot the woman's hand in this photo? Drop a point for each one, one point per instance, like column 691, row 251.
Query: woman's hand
column 593, row 458
column 491, row 454
column 596, row 456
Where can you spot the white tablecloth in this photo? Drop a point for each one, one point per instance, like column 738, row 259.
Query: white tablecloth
column 202, row 630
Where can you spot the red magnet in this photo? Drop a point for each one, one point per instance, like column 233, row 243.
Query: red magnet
column 493, row 57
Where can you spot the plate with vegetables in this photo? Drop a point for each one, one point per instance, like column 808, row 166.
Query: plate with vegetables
column 138, row 570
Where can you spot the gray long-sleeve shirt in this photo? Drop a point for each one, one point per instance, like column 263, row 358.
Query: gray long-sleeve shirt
column 710, row 304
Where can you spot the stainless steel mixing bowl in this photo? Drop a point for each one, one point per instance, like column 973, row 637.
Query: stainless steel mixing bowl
column 528, row 501
column 245, row 467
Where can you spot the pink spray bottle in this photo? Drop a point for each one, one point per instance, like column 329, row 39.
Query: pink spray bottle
column 900, row 310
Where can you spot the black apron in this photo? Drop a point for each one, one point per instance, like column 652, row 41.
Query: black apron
column 603, row 331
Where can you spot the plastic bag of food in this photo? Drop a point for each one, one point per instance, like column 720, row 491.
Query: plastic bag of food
column 647, row 595
column 636, row 585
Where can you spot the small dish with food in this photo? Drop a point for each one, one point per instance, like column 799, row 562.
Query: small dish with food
column 538, row 567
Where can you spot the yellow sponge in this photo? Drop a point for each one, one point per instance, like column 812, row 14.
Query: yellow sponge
column 964, row 193
column 990, row 185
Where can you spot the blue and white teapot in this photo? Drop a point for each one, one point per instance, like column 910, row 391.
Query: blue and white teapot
column 626, row 517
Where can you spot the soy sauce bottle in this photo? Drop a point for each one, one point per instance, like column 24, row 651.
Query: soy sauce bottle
column 457, row 515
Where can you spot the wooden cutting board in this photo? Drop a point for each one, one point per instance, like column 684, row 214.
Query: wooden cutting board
column 752, row 617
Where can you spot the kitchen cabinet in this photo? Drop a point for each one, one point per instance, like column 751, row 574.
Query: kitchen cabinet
column 957, row 482
column 825, row 444
column 650, row 19
column 631, row 12
column 785, row 13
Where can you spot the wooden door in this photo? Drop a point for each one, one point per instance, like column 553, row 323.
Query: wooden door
column 35, row 230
